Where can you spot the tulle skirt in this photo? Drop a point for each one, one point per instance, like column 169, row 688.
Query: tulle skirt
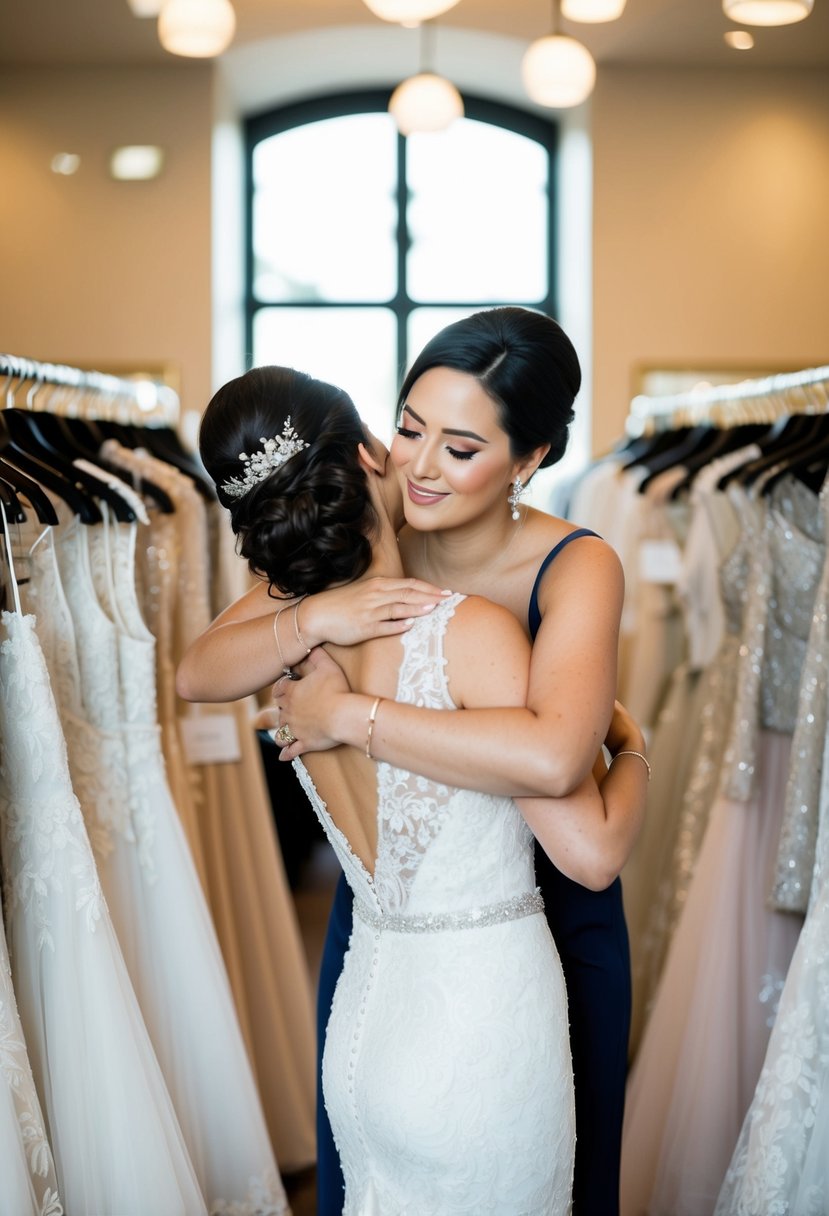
column 704, row 1044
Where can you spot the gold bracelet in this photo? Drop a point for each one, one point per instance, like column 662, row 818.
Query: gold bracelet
column 372, row 714
column 644, row 759
column 299, row 636
column 286, row 670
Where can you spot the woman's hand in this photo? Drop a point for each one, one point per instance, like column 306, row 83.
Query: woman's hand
column 369, row 608
column 308, row 704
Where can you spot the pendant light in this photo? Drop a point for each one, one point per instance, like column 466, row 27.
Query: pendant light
column 409, row 12
column 592, row 11
column 558, row 71
column 425, row 102
column 198, row 29
column 767, row 12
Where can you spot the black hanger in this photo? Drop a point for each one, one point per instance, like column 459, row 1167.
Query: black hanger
column 697, row 439
column 784, row 440
column 14, row 480
column 27, row 427
column 645, row 449
column 162, row 442
column 806, row 459
column 82, row 439
column 729, row 439
column 82, row 503
column 12, row 505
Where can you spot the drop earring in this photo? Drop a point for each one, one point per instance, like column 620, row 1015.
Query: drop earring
column 514, row 499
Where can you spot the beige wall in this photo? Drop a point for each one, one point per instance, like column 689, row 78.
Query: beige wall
column 711, row 247
column 95, row 271
column 711, row 191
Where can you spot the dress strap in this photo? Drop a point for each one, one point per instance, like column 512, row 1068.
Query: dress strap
column 533, row 613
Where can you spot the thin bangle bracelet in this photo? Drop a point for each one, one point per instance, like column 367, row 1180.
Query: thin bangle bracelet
column 372, row 714
column 286, row 670
column 299, row 636
column 644, row 759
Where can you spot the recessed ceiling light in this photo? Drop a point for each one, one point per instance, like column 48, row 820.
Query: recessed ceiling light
column 741, row 40
column 767, row 12
column 136, row 162
column 66, row 163
column 146, row 8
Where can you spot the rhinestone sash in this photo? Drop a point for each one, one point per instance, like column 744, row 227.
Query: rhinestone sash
column 470, row 918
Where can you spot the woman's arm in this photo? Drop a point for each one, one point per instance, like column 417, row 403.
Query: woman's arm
column 547, row 748
column 588, row 834
column 238, row 653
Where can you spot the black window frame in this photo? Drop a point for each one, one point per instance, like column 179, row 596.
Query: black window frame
column 336, row 105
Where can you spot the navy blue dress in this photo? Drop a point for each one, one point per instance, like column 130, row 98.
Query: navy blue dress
column 590, row 933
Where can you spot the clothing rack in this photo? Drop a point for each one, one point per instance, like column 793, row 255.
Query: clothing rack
column 726, row 405
column 62, row 389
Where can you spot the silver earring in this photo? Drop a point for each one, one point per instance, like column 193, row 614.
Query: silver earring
column 514, row 499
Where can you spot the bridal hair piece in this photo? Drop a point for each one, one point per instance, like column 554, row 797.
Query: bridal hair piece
column 261, row 463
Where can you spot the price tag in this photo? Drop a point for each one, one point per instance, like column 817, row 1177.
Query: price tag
column 660, row 561
column 210, row 739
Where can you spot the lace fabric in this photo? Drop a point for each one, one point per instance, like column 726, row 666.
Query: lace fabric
column 116, row 1141
column 447, row 1069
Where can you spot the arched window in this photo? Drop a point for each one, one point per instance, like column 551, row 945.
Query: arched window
column 362, row 243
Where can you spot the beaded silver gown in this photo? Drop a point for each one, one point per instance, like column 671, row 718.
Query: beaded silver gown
column 447, row 1071
column 704, row 1045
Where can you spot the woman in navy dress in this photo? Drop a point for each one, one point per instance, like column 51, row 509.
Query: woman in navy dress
column 467, row 532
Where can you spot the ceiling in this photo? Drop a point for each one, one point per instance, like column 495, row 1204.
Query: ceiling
column 662, row 32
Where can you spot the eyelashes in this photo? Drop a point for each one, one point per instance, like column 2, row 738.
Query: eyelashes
column 405, row 433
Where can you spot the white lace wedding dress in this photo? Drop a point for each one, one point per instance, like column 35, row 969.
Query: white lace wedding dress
column 447, row 1070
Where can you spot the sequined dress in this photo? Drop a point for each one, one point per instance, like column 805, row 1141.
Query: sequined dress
column 705, row 1042
column 447, row 1071
column 779, row 1163
column 691, row 737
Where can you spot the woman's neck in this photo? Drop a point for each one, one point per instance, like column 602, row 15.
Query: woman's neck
column 458, row 556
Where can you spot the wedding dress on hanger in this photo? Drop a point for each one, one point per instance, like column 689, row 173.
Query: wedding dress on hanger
column 245, row 882
column 147, row 872
column 28, row 1183
column 116, row 1141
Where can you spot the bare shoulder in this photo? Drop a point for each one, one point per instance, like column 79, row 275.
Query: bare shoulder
column 487, row 654
column 587, row 562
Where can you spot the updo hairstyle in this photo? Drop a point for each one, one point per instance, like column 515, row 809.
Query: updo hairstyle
column 309, row 523
column 526, row 364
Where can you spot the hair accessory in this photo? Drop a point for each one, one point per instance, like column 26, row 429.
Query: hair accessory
column 372, row 714
column 260, row 464
column 514, row 499
column 644, row 759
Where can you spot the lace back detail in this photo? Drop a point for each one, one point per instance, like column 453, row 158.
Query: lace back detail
column 411, row 808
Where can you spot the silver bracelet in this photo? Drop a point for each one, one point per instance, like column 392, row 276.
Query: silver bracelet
column 644, row 759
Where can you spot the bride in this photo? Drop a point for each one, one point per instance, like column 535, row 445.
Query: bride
column 447, row 1071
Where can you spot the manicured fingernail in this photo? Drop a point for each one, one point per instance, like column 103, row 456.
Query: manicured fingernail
column 409, row 621
column 447, row 592
column 427, row 607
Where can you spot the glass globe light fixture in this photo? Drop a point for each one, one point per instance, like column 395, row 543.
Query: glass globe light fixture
column 767, row 12
column 558, row 71
column 590, row 11
column 425, row 102
column 198, row 29
column 409, row 12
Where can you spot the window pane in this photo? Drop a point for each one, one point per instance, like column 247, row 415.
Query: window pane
column 424, row 323
column 325, row 211
column 354, row 348
column 478, row 215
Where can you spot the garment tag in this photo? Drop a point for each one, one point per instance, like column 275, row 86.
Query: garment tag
column 660, row 561
column 210, row 739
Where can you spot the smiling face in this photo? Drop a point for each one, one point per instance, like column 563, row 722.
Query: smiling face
column 451, row 453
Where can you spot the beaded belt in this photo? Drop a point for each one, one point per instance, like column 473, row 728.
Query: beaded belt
column 470, row 918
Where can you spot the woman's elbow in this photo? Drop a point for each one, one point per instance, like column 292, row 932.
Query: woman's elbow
column 185, row 684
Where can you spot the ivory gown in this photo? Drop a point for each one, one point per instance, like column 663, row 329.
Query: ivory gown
column 447, row 1070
